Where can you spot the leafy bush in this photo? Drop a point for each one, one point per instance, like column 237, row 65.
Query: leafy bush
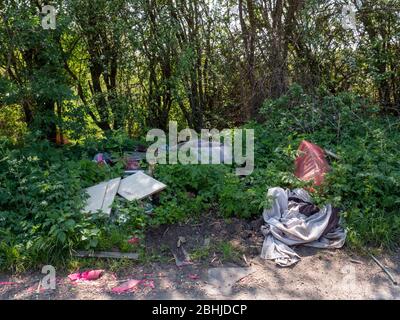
column 130, row 221
column 192, row 190
column 365, row 182
column 41, row 200
column 325, row 113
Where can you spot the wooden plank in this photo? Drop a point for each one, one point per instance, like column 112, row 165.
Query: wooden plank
column 107, row 254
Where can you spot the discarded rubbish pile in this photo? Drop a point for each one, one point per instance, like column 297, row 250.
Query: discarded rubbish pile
column 294, row 219
column 133, row 187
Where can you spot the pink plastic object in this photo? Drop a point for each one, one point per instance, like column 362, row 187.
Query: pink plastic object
column 86, row 276
column 130, row 285
column 311, row 163
column 133, row 240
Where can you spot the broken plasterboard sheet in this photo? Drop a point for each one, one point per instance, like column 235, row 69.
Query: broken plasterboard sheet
column 139, row 186
column 101, row 196
column 111, row 192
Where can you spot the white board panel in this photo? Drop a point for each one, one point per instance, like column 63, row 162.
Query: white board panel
column 111, row 192
column 101, row 196
column 96, row 197
column 139, row 186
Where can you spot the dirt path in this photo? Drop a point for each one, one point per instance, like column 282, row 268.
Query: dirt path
column 321, row 274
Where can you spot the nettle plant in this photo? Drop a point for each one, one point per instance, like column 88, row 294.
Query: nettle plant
column 41, row 200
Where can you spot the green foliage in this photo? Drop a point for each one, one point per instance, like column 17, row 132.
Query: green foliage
column 192, row 190
column 365, row 183
column 226, row 251
column 327, row 114
column 114, row 142
column 41, row 186
column 11, row 125
column 41, row 199
column 240, row 198
column 196, row 189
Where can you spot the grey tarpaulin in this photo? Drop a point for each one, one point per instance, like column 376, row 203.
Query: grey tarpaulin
column 294, row 220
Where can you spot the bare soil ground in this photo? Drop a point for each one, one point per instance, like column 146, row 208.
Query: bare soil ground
column 216, row 243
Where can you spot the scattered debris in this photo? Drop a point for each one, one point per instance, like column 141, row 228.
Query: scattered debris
column 128, row 173
column 215, row 257
column 107, row 254
column 103, row 159
column 207, row 242
column 39, row 288
column 86, row 276
column 131, row 162
column 130, row 285
column 148, row 274
column 34, row 289
column 331, row 154
column 134, row 240
column 148, row 283
column 148, row 208
column 180, row 241
column 356, row 261
column 141, row 148
column 384, row 269
column 8, row 283
column 133, row 187
column 186, row 258
column 193, row 276
column 245, row 260
column 139, row 186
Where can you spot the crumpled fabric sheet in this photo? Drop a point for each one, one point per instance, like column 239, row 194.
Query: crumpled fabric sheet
column 294, row 220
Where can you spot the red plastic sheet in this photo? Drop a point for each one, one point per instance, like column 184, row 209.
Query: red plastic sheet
column 311, row 163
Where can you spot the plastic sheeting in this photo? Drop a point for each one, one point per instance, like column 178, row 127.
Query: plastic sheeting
column 311, row 163
column 294, row 220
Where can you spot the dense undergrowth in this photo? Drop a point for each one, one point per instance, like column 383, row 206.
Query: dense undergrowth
column 41, row 185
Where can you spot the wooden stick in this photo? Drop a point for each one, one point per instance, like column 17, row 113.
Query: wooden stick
column 384, row 269
column 356, row 261
column 330, row 153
